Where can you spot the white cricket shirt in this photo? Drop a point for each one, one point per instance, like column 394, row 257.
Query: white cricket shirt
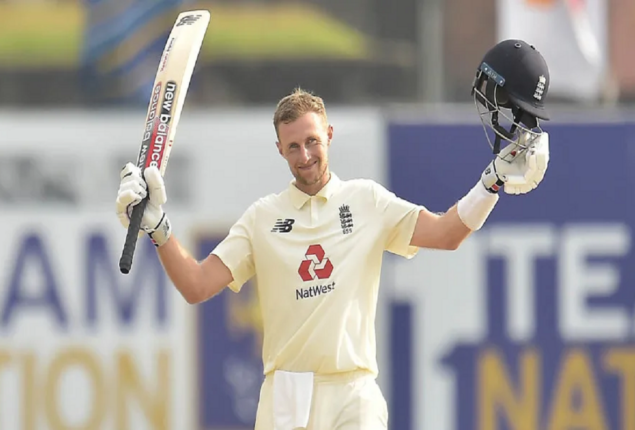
column 317, row 262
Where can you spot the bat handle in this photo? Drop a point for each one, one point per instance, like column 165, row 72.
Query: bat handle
column 125, row 262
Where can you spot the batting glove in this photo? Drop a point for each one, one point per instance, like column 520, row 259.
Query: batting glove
column 132, row 189
column 519, row 171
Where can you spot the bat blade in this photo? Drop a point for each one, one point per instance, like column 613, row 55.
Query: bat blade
column 164, row 108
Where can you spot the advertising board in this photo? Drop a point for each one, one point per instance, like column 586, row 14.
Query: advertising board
column 530, row 324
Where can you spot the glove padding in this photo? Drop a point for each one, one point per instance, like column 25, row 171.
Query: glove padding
column 132, row 189
column 519, row 173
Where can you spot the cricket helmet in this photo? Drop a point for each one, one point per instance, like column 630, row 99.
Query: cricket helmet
column 511, row 86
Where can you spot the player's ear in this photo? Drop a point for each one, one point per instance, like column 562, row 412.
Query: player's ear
column 330, row 133
column 279, row 148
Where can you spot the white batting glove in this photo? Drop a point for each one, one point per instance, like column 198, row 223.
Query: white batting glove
column 132, row 189
column 519, row 173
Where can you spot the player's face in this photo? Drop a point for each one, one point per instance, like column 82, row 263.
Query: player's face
column 304, row 144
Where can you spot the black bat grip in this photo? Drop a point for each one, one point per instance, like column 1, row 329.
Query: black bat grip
column 125, row 262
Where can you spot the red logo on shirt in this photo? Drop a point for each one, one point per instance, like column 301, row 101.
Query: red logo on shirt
column 315, row 265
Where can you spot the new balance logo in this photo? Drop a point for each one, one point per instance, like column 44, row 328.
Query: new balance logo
column 346, row 219
column 188, row 20
column 283, row 226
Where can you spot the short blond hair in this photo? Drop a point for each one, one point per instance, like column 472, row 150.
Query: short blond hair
column 296, row 104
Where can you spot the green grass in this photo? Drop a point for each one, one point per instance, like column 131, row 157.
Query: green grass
column 283, row 32
column 34, row 36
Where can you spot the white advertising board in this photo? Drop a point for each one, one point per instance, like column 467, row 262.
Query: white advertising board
column 82, row 346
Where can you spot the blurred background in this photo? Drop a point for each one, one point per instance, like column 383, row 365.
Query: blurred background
column 530, row 325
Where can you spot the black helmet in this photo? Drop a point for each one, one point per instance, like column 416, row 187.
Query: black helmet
column 513, row 75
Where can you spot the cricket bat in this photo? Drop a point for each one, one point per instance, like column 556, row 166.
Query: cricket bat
column 164, row 109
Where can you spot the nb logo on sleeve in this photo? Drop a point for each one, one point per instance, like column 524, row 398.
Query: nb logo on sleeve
column 283, row 226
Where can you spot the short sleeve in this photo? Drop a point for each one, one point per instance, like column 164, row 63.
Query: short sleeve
column 399, row 219
column 236, row 250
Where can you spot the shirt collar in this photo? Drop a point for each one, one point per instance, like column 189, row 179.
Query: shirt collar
column 299, row 198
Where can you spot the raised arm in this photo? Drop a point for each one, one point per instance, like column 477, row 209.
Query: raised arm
column 439, row 231
column 196, row 281
column 520, row 175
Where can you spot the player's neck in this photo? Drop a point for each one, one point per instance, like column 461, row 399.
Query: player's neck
column 315, row 188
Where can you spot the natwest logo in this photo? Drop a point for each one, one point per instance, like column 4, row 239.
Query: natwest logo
column 316, row 265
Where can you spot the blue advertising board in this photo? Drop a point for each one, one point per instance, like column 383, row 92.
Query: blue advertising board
column 229, row 339
column 568, row 362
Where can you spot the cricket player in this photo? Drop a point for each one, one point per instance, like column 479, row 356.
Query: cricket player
column 315, row 248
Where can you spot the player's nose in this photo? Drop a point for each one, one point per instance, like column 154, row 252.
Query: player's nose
column 305, row 155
